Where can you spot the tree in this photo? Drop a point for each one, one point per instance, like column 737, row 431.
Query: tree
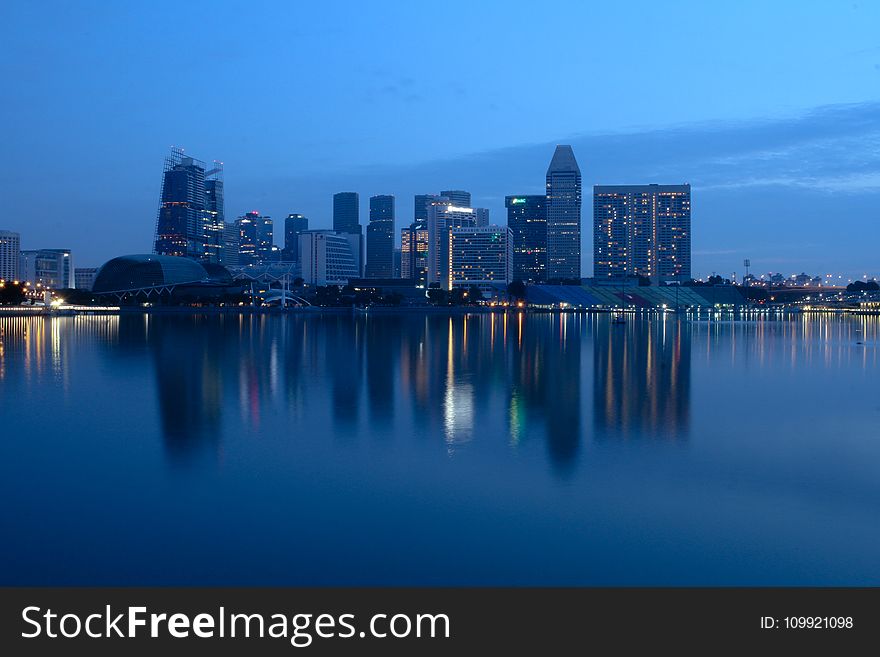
column 437, row 296
column 11, row 294
column 474, row 294
column 859, row 286
column 516, row 290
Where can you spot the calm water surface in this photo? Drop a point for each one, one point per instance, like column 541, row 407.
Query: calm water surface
column 427, row 450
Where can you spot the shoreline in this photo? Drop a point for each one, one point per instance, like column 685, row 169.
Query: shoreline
column 413, row 310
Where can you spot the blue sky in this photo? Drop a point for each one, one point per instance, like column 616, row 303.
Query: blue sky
column 770, row 110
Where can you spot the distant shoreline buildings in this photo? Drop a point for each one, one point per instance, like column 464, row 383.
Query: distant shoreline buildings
column 641, row 235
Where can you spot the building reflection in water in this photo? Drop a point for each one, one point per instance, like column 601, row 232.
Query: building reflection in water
column 507, row 381
column 641, row 380
column 545, row 384
column 188, row 355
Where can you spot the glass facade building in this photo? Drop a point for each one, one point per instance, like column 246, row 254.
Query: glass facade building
column 182, row 224
column 380, row 238
column 563, row 216
column 294, row 224
column 527, row 220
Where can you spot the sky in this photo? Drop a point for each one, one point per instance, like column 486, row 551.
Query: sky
column 770, row 110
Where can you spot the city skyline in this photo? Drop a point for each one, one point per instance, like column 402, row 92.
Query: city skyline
column 769, row 156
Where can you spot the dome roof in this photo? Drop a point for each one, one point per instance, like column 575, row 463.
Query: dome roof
column 137, row 272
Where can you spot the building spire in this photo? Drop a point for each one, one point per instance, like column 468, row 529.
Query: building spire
column 563, row 160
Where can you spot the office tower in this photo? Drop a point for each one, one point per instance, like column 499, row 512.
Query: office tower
column 215, row 220
column 51, row 268
column 380, row 238
column 265, row 238
column 442, row 217
column 10, row 253
column 480, row 255
column 346, row 212
column 414, row 252
column 563, row 216
column 182, row 221
column 482, row 215
column 326, row 257
column 231, row 244
column 255, row 239
column 642, row 230
column 527, row 220
column 247, row 239
column 421, row 204
column 294, row 224
column 395, row 272
column 346, row 219
column 459, row 197
column 84, row 277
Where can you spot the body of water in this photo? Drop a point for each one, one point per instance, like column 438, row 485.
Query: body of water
column 429, row 450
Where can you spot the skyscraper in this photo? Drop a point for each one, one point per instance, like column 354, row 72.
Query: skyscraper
column 10, row 253
column 479, row 255
column 459, row 197
column 563, row 216
column 346, row 212
column 182, row 221
column 642, row 230
column 443, row 217
column 250, row 238
column 414, row 252
column 231, row 243
column 482, row 216
column 215, row 220
column 420, row 206
column 346, row 219
column 527, row 220
column 294, row 224
column 256, row 239
column 380, row 237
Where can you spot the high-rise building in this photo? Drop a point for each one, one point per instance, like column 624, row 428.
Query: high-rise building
column 442, row 217
column 10, row 254
column 51, row 268
column 482, row 216
column 255, row 239
column 346, row 212
column 395, row 272
column 294, row 224
column 231, row 243
column 642, row 230
column 215, row 220
column 265, row 238
column 380, row 238
column 84, row 277
column 247, row 239
column 459, row 197
column 527, row 220
column 182, row 224
column 346, row 219
column 563, row 216
column 326, row 257
column 479, row 255
column 421, row 204
column 414, row 252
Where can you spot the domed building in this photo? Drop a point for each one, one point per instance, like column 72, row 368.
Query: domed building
column 160, row 278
